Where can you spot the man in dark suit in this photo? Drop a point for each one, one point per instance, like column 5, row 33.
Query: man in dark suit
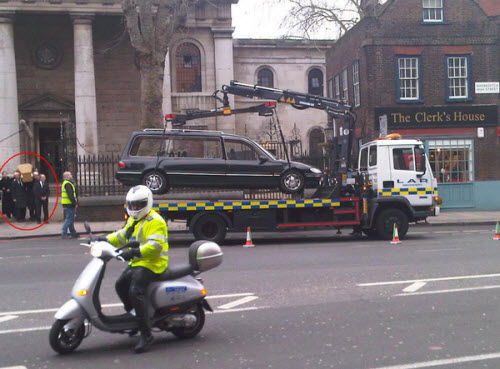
column 19, row 195
column 41, row 192
column 30, row 197
column 7, row 203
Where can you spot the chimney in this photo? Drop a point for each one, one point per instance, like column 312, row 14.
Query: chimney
column 368, row 8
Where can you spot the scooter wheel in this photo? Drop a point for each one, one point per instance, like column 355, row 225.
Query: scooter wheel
column 65, row 341
column 184, row 333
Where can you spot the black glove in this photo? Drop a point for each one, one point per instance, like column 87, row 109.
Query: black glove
column 129, row 254
column 102, row 238
column 132, row 244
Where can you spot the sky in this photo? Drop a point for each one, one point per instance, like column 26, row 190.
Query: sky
column 262, row 19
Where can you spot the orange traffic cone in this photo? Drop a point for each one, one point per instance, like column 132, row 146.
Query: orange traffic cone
column 496, row 237
column 395, row 235
column 249, row 242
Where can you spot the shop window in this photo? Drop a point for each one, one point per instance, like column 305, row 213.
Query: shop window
column 265, row 78
column 355, row 83
column 345, row 86
column 315, row 82
column 408, row 79
column 451, row 160
column 337, row 87
column 458, row 77
column 432, row 11
column 188, row 68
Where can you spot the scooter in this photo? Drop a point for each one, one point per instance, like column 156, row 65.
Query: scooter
column 176, row 302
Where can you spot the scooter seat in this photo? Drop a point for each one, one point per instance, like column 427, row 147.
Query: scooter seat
column 175, row 272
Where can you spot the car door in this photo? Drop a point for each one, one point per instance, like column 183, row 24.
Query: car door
column 194, row 160
column 409, row 168
column 247, row 166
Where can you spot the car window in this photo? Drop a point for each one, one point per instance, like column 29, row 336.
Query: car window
column 403, row 159
column 239, row 150
column 373, row 155
column 420, row 158
column 146, row 146
column 363, row 163
column 193, row 147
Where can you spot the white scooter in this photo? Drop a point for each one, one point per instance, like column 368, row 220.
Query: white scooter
column 176, row 302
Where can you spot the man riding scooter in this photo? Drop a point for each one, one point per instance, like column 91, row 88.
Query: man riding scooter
column 145, row 235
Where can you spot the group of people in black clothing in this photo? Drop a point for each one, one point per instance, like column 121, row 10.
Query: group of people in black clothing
column 19, row 196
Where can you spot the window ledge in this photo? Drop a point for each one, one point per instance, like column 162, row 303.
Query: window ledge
column 461, row 99
column 420, row 101
column 434, row 23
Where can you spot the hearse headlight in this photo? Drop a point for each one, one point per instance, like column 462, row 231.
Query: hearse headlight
column 315, row 170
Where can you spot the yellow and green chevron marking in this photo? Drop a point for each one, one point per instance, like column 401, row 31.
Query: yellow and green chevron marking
column 407, row 191
column 246, row 205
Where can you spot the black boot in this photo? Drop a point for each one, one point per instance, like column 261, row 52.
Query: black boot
column 145, row 341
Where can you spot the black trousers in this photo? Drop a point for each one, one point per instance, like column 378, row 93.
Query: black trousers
column 39, row 204
column 20, row 214
column 131, row 287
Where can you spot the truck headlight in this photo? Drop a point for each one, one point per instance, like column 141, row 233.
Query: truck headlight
column 315, row 170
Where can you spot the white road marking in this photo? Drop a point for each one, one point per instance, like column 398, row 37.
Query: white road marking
column 51, row 310
column 457, row 360
column 476, row 231
column 431, row 250
column 449, row 291
column 429, row 280
column 22, row 330
column 14, row 367
column 242, row 301
column 415, row 287
column 6, row 318
column 437, row 232
column 231, row 295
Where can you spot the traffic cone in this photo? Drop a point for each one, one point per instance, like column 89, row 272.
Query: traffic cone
column 496, row 237
column 395, row 235
column 249, row 242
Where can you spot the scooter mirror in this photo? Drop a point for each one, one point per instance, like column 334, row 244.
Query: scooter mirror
column 87, row 227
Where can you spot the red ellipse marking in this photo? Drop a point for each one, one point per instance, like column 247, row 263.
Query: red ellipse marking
column 57, row 198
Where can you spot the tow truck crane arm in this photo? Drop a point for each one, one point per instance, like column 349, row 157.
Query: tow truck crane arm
column 299, row 100
column 177, row 120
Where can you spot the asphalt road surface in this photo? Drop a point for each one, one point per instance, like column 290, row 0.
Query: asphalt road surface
column 296, row 300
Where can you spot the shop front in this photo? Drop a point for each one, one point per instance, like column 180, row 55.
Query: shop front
column 451, row 135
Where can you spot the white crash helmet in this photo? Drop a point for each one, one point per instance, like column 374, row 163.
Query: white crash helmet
column 139, row 202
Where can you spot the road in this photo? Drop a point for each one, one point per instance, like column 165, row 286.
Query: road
column 296, row 300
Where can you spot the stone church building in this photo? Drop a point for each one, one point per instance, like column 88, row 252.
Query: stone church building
column 68, row 70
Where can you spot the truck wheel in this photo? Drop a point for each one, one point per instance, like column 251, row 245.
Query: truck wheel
column 386, row 220
column 210, row 227
column 155, row 181
column 292, row 182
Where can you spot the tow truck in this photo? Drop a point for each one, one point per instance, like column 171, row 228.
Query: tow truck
column 393, row 184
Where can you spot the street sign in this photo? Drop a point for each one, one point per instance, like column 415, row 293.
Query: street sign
column 487, row 87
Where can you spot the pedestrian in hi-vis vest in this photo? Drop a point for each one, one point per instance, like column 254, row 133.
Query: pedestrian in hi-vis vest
column 69, row 203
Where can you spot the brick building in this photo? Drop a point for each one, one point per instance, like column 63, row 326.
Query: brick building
column 67, row 68
column 430, row 69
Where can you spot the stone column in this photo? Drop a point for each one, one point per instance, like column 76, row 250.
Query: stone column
column 167, row 87
column 9, row 116
column 224, row 71
column 85, row 99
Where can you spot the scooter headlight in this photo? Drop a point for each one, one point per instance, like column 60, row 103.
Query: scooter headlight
column 95, row 251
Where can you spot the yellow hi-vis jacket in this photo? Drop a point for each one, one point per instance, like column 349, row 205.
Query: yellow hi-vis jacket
column 151, row 232
column 65, row 200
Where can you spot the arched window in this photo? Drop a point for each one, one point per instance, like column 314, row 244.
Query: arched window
column 265, row 77
column 316, row 137
column 315, row 79
column 188, row 68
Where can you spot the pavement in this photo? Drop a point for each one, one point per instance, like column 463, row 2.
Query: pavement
column 53, row 228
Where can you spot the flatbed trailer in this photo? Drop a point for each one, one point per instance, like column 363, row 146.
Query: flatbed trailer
column 211, row 220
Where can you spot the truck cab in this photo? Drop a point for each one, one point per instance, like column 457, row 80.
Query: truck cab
column 401, row 181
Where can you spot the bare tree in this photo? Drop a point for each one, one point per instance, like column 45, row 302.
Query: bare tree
column 151, row 25
column 308, row 16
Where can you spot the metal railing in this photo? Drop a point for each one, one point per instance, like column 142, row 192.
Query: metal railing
column 95, row 176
